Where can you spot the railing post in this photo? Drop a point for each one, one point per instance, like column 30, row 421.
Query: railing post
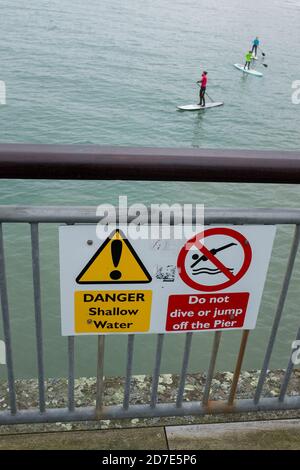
column 71, row 372
column 212, row 364
column 100, row 375
column 238, row 367
column 6, row 328
column 155, row 378
column 38, row 312
column 281, row 302
column 127, row 389
column 184, row 368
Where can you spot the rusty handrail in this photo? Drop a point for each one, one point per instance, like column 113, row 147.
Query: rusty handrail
column 94, row 162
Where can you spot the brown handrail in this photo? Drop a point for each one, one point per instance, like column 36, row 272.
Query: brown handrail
column 94, row 162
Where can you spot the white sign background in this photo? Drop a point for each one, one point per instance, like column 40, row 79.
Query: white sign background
column 159, row 258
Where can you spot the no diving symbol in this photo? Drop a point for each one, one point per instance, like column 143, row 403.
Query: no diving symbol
column 214, row 259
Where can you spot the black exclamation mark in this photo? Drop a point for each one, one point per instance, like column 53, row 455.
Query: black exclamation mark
column 116, row 251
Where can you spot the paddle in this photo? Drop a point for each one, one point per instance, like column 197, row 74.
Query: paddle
column 263, row 54
column 210, row 98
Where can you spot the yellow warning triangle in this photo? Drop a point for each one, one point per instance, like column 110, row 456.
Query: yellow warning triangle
column 114, row 262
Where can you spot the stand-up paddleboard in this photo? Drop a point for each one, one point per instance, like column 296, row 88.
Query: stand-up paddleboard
column 197, row 107
column 250, row 72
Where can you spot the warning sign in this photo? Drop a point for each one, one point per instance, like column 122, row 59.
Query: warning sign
column 107, row 311
column 214, row 259
column 206, row 311
column 112, row 284
column 114, row 262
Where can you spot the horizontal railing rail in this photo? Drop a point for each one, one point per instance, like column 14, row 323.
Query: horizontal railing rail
column 34, row 216
column 87, row 214
column 94, row 162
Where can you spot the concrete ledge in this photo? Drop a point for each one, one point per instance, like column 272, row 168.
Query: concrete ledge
column 116, row 439
column 255, row 435
column 260, row 435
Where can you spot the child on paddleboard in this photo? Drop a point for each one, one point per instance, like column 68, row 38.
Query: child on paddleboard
column 203, row 82
column 248, row 60
column 255, row 46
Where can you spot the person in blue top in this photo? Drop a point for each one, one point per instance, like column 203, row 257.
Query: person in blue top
column 255, row 45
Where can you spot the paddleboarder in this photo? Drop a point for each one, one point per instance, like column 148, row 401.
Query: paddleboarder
column 203, row 83
column 248, row 60
column 255, row 45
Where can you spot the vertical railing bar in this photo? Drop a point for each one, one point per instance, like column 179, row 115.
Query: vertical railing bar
column 100, row 374
column 6, row 328
column 127, row 388
column 71, row 372
column 280, row 306
column 71, row 369
column 212, row 364
column 238, row 367
column 156, row 372
column 38, row 312
column 184, row 368
column 288, row 372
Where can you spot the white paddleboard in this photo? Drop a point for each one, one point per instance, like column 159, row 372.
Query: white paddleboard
column 250, row 72
column 196, row 107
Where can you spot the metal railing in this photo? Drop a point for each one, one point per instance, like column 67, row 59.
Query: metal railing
column 40, row 215
column 92, row 162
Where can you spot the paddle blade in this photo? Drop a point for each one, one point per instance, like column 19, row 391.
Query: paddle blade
column 265, row 65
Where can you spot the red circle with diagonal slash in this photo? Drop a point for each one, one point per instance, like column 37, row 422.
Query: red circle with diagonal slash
column 197, row 241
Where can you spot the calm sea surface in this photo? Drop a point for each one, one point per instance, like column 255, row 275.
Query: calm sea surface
column 112, row 73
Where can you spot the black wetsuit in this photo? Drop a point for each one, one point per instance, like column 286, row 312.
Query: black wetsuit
column 202, row 96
